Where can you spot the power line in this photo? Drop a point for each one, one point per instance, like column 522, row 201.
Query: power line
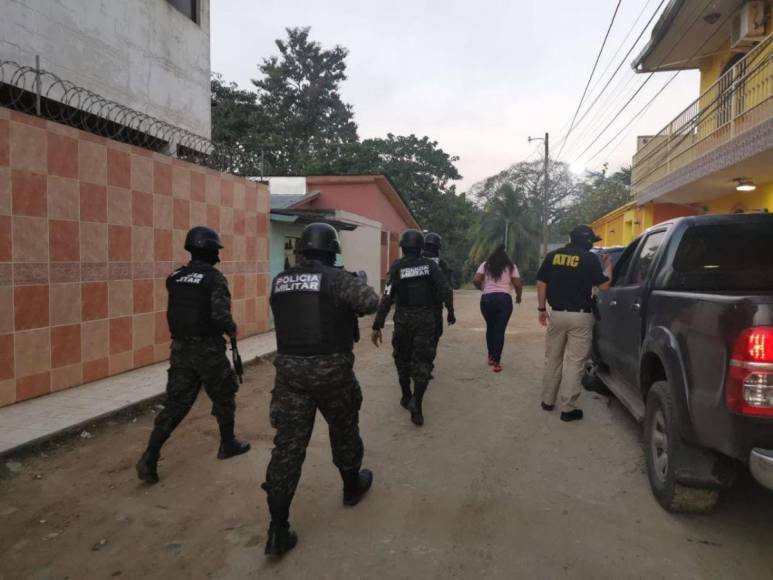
column 622, row 62
column 670, row 80
column 590, row 78
column 649, row 76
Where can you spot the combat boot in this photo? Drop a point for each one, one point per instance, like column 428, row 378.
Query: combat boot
column 147, row 467
column 417, row 417
column 232, row 448
column 281, row 539
column 356, row 485
column 405, row 387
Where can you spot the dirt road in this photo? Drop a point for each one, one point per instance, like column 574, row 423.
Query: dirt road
column 490, row 487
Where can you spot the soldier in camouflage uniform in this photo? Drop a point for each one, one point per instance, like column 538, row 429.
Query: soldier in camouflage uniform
column 432, row 243
column 418, row 286
column 315, row 306
column 199, row 314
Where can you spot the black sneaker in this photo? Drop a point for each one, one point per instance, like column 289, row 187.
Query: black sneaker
column 147, row 467
column 546, row 407
column 575, row 415
column 281, row 539
column 232, row 448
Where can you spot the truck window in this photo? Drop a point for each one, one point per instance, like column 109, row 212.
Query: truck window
column 621, row 267
column 646, row 257
column 724, row 257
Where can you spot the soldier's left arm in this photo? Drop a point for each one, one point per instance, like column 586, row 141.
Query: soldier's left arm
column 450, row 298
column 220, row 302
column 357, row 294
column 442, row 287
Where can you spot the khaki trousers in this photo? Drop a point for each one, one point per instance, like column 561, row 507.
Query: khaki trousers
column 567, row 347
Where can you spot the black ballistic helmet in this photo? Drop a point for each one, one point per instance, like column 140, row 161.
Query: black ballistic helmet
column 202, row 238
column 412, row 240
column 319, row 236
column 432, row 239
column 583, row 236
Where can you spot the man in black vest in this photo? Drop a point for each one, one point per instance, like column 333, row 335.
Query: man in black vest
column 418, row 287
column 432, row 242
column 199, row 314
column 315, row 306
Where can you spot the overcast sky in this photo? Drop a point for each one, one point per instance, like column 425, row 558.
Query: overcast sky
column 478, row 77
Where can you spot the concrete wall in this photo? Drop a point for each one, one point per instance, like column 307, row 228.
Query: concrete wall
column 89, row 230
column 144, row 54
column 362, row 247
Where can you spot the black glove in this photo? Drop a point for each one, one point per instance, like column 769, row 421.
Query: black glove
column 451, row 318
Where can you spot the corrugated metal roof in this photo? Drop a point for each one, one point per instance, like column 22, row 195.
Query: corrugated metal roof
column 284, row 201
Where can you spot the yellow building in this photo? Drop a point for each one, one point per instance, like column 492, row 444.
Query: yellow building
column 717, row 155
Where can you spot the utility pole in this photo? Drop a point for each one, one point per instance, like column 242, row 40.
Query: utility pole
column 546, row 193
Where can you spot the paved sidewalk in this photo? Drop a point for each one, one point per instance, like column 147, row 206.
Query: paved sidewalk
column 36, row 420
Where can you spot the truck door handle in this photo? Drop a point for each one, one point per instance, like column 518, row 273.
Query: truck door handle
column 636, row 307
column 613, row 303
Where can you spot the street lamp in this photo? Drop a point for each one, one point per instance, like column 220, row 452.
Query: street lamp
column 546, row 200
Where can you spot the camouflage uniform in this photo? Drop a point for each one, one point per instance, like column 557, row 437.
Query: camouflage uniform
column 414, row 336
column 449, row 299
column 325, row 382
column 202, row 361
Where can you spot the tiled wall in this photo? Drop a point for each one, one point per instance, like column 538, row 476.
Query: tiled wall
column 89, row 230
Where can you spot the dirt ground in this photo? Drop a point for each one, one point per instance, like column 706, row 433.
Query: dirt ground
column 490, row 487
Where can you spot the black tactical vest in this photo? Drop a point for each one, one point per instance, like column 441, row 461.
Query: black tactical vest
column 307, row 319
column 190, row 310
column 412, row 282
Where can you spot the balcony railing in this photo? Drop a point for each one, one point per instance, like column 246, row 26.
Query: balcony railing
column 739, row 100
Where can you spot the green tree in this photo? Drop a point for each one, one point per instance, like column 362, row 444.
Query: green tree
column 598, row 195
column 302, row 116
column 424, row 174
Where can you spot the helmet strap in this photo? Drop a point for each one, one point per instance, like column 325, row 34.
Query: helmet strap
column 211, row 257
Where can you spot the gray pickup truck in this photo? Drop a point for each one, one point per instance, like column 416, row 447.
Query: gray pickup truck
column 685, row 342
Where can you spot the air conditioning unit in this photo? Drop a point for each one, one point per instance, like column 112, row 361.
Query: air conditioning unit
column 748, row 25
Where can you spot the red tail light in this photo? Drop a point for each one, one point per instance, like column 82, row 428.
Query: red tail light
column 749, row 388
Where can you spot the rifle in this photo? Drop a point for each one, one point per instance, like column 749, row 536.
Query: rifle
column 237, row 360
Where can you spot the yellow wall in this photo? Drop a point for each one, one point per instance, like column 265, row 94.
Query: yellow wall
column 757, row 200
column 622, row 225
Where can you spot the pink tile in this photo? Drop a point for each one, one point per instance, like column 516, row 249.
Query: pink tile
column 63, row 198
column 162, row 178
column 30, row 237
column 182, row 210
column 120, row 298
column 92, row 158
column 198, row 214
column 33, row 386
column 120, row 335
column 212, row 189
column 163, row 245
column 181, row 182
column 93, row 203
column 142, row 208
column 66, row 377
column 96, row 369
column 32, row 352
column 119, row 206
column 6, row 309
column 121, row 362
column 118, row 168
column 144, row 330
column 227, row 192
column 65, row 345
column 93, row 242
column 6, row 239
column 65, row 304
column 62, row 156
column 5, row 157
column 197, row 186
column 5, row 190
column 6, row 357
column 28, row 192
column 30, row 273
column 64, row 240
column 95, row 337
column 142, row 244
column 119, row 243
column 162, row 212
column 28, row 148
column 94, row 300
column 143, row 296
column 30, row 307
column 64, row 272
column 141, row 174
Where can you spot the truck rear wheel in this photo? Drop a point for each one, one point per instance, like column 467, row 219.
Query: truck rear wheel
column 662, row 449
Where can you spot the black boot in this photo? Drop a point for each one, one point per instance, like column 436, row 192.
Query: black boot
column 417, row 418
column 232, row 448
column 405, row 387
column 147, row 466
column 356, row 485
column 281, row 539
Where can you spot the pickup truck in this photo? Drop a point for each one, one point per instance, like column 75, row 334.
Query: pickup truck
column 685, row 342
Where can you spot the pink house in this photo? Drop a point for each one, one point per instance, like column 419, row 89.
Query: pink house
column 370, row 196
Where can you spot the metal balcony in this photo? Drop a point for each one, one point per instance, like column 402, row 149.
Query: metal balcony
column 701, row 138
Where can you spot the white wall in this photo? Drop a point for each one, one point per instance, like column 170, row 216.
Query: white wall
column 361, row 248
column 144, row 54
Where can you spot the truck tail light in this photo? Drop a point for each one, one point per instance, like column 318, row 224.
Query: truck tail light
column 749, row 388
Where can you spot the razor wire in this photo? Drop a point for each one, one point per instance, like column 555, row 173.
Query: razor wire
column 32, row 90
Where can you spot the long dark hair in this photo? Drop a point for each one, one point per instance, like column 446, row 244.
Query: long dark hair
column 498, row 262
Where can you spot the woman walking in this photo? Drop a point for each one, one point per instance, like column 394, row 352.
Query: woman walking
column 495, row 277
